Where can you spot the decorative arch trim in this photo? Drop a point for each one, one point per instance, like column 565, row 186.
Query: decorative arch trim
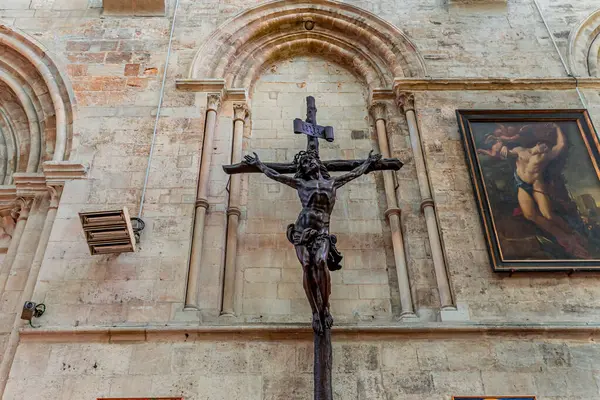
column 44, row 96
column 584, row 47
column 370, row 47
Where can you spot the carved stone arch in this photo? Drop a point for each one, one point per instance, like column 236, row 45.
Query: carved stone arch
column 36, row 106
column 370, row 47
column 584, row 47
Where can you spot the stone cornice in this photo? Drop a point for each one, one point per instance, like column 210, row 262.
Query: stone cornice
column 8, row 194
column 148, row 8
column 579, row 331
column 238, row 94
column 381, row 95
column 57, row 172
column 212, row 86
column 200, row 85
column 436, row 84
column 30, row 184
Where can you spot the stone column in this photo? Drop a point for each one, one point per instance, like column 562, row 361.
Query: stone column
column 22, row 209
column 240, row 112
column 191, row 297
column 27, row 293
column 406, row 102
column 393, row 213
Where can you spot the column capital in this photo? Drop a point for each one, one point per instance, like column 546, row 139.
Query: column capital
column 378, row 111
column 23, row 205
column 240, row 111
column 405, row 101
column 55, row 192
column 213, row 101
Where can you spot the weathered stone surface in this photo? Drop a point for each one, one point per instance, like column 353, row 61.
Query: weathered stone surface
column 114, row 67
column 206, row 369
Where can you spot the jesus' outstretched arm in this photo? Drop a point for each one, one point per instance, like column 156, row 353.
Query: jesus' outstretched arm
column 271, row 173
column 358, row 171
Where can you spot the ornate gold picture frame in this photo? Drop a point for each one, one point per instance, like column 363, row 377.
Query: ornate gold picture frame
column 536, row 179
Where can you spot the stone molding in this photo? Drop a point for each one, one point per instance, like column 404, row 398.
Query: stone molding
column 200, row 85
column 8, row 194
column 34, row 184
column 439, row 84
column 240, row 48
column 585, row 331
column 30, row 184
column 58, row 172
column 138, row 8
column 212, row 85
column 583, row 53
column 37, row 66
column 418, row 84
column 379, row 94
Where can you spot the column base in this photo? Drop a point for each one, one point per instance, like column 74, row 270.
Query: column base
column 227, row 314
column 408, row 316
column 460, row 313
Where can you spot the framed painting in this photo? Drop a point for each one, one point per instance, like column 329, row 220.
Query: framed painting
column 494, row 398
column 536, row 179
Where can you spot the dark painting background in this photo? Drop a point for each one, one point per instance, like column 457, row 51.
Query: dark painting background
column 575, row 194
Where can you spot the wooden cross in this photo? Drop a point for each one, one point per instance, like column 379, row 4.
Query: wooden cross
column 313, row 133
column 310, row 234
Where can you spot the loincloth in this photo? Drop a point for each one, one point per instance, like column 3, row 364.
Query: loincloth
column 312, row 240
column 521, row 184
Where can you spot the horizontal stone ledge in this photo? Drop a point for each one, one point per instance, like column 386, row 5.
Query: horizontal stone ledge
column 200, row 85
column 122, row 334
column 440, row 84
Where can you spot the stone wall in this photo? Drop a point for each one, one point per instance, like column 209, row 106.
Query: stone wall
column 115, row 65
column 372, row 368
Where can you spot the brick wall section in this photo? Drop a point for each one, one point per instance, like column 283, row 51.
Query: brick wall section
column 399, row 369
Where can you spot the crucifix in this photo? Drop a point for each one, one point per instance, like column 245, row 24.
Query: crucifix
column 315, row 246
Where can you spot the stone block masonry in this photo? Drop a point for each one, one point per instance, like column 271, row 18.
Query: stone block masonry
column 113, row 67
column 402, row 368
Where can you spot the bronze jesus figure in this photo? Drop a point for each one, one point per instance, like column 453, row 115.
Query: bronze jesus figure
column 315, row 247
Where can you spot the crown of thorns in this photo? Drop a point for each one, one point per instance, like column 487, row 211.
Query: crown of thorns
column 303, row 154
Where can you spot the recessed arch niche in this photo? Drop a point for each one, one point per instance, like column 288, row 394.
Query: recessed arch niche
column 229, row 64
column 374, row 49
column 35, row 107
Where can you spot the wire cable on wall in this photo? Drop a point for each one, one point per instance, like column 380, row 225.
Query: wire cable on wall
column 562, row 60
column 160, row 101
